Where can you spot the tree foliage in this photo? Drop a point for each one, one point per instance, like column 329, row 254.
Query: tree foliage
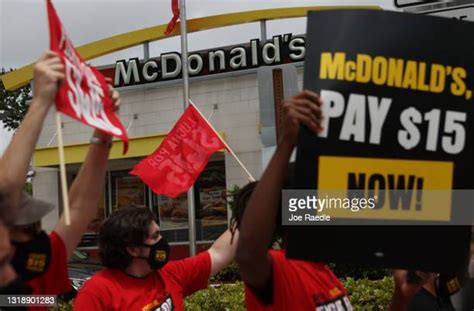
column 13, row 104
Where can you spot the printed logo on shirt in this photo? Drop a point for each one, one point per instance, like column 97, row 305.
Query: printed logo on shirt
column 341, row 304
column 160, row 255
column 164, row 305
column 335, row 292
column 36, row 262
column 453, row 285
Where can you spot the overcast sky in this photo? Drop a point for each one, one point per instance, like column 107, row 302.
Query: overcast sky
column 24, row 32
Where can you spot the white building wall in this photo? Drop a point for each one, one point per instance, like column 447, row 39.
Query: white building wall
column 46, row 188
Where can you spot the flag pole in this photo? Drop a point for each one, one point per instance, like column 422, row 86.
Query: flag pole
column 223, row 141
column 62, row 170
column 184, row 66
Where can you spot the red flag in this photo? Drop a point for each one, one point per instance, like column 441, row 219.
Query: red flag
column 84, row 95
column 172, row 23
column 176, row 164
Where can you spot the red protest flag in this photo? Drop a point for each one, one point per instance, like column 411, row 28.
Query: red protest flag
column 176, row 164
column 172, row 23
column 84, row 95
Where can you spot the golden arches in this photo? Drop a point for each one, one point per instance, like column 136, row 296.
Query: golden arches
column 23, row 75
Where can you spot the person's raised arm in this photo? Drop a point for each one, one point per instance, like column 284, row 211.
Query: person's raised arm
column 86, row 190
column 222, row 251
column 48, row 74
column 258, row 222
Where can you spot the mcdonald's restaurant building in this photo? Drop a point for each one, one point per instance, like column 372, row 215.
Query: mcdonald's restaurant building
column 239, row 88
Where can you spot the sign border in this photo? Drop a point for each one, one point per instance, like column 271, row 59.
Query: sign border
column 417, row 3
column 448, row 9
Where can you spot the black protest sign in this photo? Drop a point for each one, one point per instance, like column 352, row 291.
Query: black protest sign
column 398, row 109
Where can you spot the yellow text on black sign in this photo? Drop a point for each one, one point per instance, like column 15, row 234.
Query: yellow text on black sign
column 395, row 72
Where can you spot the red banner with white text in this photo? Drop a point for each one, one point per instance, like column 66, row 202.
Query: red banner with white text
column 84, row 95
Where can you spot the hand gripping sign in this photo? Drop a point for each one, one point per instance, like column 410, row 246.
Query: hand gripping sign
column 85, row 95
column 393, row 165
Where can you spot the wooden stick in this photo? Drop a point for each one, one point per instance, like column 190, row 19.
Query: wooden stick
column 62, row 170
column 226, row 145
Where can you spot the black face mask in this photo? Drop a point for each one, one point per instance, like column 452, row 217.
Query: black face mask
column 159, row 254
column 31, row 259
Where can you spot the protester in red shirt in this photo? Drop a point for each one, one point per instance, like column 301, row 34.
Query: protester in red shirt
column 137, row 275
column 41, row 259
column 272, row 281
column 294, row 284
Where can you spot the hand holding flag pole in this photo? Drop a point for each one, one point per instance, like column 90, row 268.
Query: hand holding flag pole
column 83, row 96
column 62, row 170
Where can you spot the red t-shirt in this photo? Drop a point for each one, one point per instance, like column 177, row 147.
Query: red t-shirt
column 165, row 289
column 300, row 285
column 56, row 278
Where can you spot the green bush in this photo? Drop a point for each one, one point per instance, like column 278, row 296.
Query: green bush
column 364, row 294
column 231, row 198
column 231, row 273
column 62, row 306
column 223, row 297
column 367, row 294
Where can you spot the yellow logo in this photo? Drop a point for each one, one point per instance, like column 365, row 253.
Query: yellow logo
column 335, row 292
column 160, row 255
column 453, row 285
column 149, row 306
column 36, row 262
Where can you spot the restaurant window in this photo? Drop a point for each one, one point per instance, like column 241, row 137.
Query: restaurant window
column 211, row 212
column 172, row 215
column 127, row 190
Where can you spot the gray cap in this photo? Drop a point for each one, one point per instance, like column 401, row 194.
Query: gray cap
column 31, row 210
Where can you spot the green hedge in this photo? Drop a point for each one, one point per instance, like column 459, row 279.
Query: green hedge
column 231, row 273
column 228, row 297
column 364, row 294
column 368, row 294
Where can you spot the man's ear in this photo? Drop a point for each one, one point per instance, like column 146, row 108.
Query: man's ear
column 133, row 251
